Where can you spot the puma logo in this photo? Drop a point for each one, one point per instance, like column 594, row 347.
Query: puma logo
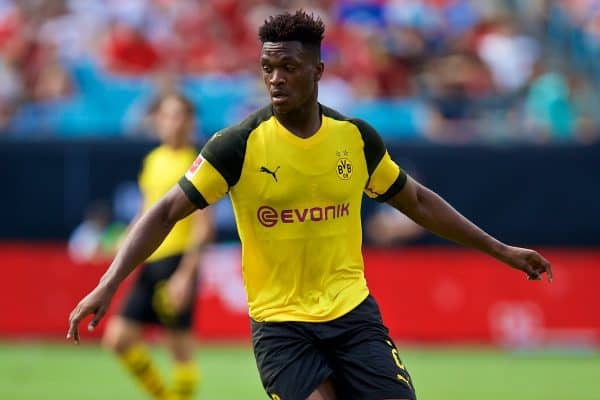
column 268, row 171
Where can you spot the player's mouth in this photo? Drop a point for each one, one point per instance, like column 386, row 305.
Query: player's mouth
column 279, row 97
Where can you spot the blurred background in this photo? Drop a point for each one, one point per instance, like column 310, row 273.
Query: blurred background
column 494, row 104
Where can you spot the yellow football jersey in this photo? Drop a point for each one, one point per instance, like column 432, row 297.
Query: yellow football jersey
column 161, row 169
column 297, row 205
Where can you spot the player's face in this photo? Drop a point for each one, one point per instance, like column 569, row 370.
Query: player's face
column 290, row 73
column 172, row 121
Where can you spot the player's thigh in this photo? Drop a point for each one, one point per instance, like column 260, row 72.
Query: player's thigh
column 148, row 301
column 121, row 333
column 137, row 305
column 181, row 344
column 325, row 391
column 369, row 367
column 290, row 365
column 163, row 311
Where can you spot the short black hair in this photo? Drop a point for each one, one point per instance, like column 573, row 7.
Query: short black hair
column 300, row 26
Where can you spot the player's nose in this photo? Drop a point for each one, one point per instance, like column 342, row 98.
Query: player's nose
column 277, row 77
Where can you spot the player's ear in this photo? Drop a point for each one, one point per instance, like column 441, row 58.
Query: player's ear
column 320, row 67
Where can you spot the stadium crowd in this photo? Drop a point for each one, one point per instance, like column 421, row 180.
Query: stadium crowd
column 448, row 71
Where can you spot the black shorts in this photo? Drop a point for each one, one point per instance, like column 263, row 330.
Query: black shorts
column 147, row 302
column 355, row 351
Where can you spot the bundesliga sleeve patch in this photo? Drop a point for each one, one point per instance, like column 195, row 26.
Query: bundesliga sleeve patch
column 195, row 167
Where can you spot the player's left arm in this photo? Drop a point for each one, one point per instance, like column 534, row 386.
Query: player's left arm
column 431, row 211
column 180, row 285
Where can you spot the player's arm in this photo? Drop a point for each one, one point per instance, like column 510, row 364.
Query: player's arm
column 181, row 284
column 432, row 212
column 145, row 237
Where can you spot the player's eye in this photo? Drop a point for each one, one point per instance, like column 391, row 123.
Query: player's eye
column 267, row 69
column 290, row 68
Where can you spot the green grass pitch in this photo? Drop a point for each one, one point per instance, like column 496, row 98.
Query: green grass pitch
column 53, row 371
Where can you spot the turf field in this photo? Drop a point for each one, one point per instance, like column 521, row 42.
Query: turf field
column 33, row 371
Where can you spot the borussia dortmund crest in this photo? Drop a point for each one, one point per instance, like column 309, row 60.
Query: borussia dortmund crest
column 344, row 168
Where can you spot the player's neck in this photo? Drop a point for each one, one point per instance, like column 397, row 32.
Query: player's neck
column 176, row 144
column 302, row 122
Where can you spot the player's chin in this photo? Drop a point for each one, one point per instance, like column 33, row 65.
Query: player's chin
column 282, row 106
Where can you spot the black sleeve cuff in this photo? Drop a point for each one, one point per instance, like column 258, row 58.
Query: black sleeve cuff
column 192, row 193
column 394, row 189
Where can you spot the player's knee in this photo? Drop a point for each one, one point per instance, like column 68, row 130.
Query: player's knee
column 110, row 341
column 116, row 338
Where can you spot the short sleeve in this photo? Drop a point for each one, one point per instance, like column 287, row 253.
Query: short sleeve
column 386, row 180
column 385, row 176
column 203, row 184
column 216, row 169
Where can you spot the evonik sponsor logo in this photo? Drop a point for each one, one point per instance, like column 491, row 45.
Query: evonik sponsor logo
column 269, row 216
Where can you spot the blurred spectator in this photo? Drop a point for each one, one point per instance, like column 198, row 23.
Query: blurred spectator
column 11, row 91
column 96, row 238
column 585, row 102
column 388, row 227
column 509, row 54
column 81, row 67
column 53, row 82
column 127, row 51
column 456, row 86
column 561, row 108
column 549, row 111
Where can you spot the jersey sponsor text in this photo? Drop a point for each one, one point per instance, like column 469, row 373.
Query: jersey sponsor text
column 269, row 217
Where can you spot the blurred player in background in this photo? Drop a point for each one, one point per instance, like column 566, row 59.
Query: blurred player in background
column 296, row 172
column 165, row 290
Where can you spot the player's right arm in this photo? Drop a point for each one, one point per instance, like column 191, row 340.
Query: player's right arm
column 203, row 184
column 141, row 241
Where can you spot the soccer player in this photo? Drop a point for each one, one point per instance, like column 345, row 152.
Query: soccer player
column 164, row 291
column 296, row 172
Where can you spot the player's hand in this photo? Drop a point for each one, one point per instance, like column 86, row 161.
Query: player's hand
column 97, row 303
column 180, row 289
column 528, row 261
